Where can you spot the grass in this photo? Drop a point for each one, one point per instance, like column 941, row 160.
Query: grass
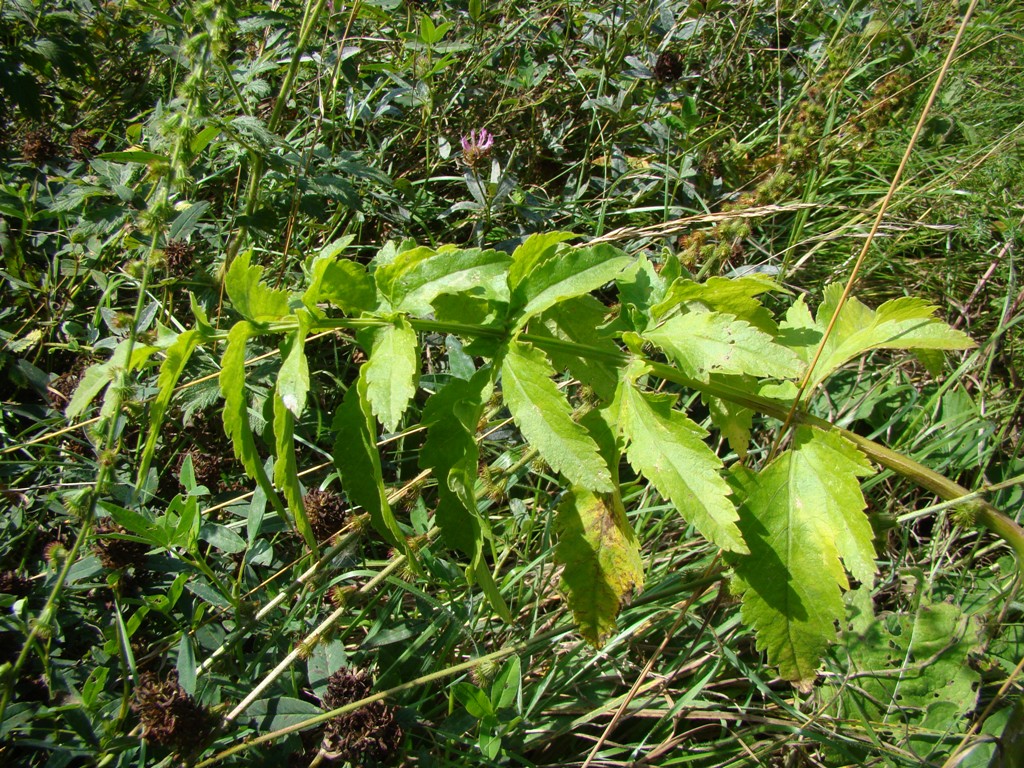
column 723, row 134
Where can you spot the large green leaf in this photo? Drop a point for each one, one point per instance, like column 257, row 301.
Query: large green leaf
column 564, row 274
column 415, row 278
column 600, row 557
column 392, row 371
column 536, row 249
column 905, row 323
column 702, row 343
column 802, row 519
column 577, row 321
column 358, row 461
column 251, row 298
column 543, row 415
column 668, row 449
column 176, row 358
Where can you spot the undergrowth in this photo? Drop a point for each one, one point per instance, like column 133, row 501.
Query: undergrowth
column 165, row 602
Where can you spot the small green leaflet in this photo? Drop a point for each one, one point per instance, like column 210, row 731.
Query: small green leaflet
column 286, row 471
column 236, row 404
column 358, row 461
column 415, row 278
column 577, row 320
column 99, row 375
column 905, row 323
column 734, row 296
column 251, row 298
column 174, row 363
column 668, row 449
column 802, row 517
column 392, row 371
column 534, row 250
column 543, row 415
column 702, row 343
column 563, row 275
column 293, row 378
column 345, row 284
column 451, row 454
column 601, row 561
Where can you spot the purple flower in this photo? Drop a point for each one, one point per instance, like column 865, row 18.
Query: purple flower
column 476, row 146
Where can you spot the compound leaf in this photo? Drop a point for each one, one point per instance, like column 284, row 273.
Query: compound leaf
column 251, row 298
column 600, row 557
column 341, row 282
column 802, row 519
column 544, row 416
column 667, row 448
column 576, row 320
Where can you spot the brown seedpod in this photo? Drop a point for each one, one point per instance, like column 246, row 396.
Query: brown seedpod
column 669, row 67
column 117, row 553
column 327, row 513
column 170, row 717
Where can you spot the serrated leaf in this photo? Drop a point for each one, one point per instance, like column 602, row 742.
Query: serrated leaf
column 415, row 278
column 802, row 519
column 577, row 320
column 640, row 288
column 702, row 343
column 293, row 378
column 733, row 296
column 358, row 461
column 177, row 357
column 286, row 471
column 668, row 449
column 905, row 323
column 345, row 284
column 543, row 414
column 392, row 371
column 733, row 421
column 600, row 559
column 236, row 403
column 536, row 249
column 251, row 298
column 563, row 275
column 450, row 452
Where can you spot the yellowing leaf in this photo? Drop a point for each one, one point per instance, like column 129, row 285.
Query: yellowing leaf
column 600, row 557
column 802, row 518
column 542, row 413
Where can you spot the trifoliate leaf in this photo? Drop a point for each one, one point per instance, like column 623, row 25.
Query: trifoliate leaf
column 668, row 449
column 563, row 275
column 711, row 342
column 542, row 413
column 251, row 298
column 802, row 518
column 600, row 557
column 392, row 372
